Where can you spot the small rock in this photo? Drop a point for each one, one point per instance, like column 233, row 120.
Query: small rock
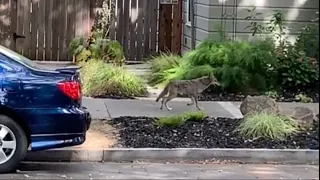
column 303, row 115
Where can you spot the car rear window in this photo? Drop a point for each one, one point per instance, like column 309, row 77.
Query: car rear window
column 21, row 59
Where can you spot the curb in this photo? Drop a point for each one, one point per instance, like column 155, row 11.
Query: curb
column 287, row 156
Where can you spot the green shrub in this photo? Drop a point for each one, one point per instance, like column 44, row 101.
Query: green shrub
column 100, row 78
column 267, row 125
column 298, row 71
column 163, row 68
column 97, row 47
column 237, row 65
column 178, row 120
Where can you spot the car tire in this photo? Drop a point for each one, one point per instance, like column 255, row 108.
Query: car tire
column 16, row 153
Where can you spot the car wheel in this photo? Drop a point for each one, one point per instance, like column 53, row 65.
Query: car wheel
column 13, row 144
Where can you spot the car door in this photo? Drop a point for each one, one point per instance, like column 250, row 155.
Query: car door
column 10, row 85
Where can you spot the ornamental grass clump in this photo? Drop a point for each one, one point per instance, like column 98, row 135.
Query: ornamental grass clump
column 266, row 125
column 100, row 78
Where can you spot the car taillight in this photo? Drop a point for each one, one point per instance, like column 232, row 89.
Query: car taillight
column 71, row 89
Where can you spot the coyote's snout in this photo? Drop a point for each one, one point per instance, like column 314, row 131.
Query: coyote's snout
column 191, row 88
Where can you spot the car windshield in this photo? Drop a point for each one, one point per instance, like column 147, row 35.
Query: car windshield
column 21, row 59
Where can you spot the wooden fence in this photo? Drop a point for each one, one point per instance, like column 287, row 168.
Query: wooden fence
column 42, row 29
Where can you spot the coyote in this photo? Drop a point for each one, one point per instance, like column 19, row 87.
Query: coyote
column 192, row 88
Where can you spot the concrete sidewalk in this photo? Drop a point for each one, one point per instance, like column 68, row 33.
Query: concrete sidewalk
column 111, row 108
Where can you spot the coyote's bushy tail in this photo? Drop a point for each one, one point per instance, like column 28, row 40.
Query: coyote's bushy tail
column 164, row 92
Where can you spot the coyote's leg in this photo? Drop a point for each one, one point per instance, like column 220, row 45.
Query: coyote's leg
column 196, row 100
column 192, row 101
column 162, row 102
column 169, row 98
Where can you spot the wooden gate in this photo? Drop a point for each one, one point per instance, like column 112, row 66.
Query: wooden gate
column 42, row 29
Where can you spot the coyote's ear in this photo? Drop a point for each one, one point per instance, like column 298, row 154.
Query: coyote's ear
column 210, row 75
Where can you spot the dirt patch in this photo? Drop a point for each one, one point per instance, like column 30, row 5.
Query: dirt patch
column 100, row 135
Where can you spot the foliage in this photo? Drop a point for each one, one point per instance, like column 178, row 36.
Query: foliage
column 297, row 66
column 237, row 65
column 98, row 46
column 100, row 78
column 104, row 18
column 298, row 71
column 178, row 120
column 303, row 98
column 267, row 125
column 77, row 45
column 272, row 94
column 107, row 50
column 255, row 27
column 308, row 41
column 162, row 67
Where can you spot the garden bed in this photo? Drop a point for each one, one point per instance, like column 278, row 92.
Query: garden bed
column 141, row 132
column 209, row 95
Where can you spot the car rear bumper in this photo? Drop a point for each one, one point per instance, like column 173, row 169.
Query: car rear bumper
column 57, row 128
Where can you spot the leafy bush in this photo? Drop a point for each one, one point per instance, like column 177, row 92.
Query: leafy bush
column 107, row 50
column 100, row 78
column 237, row 65
column 298, row 71
column 98, row 45
column 178, row 120
column 267, row 125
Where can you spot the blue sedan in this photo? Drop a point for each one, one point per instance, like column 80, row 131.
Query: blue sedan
column 40, row 108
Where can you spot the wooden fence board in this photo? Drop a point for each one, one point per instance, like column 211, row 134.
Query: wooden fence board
column 139, row 30
column 71, row 15
column 13, row 22
column 162, row 24
column 176, row 28
column 55, row 30
column 133, row 31
column 34, row 28
column 26, row 28
column 120, row 15
column 19, row 26
column 48, row 28
column 41, row 30
column 126, row 26
column 62, row 31
column 146, row 27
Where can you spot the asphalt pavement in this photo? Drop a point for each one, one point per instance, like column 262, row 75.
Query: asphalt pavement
column 161, row 171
